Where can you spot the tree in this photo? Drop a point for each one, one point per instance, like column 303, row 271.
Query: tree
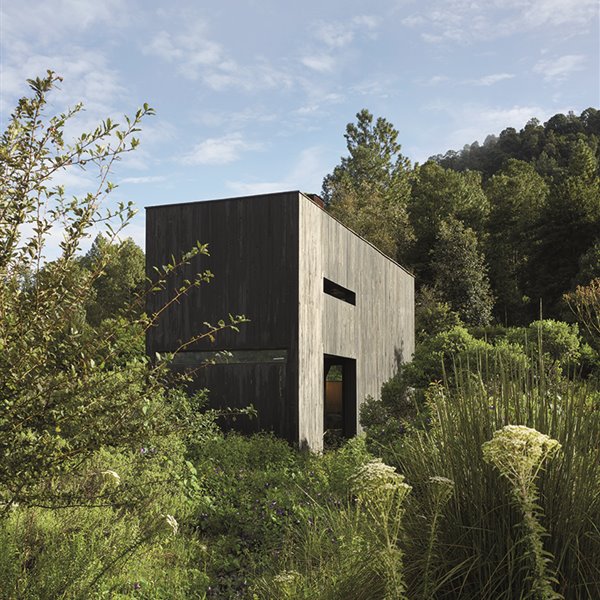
column 585, row 304
column 567, row 227
column 368, row 190
column 119, row 281
column 517, row 195
column 437, row 195
column 69, row 399
column 460, row 273
column 589, row 265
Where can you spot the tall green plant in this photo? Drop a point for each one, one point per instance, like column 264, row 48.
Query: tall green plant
column 519, row 452
column 67, row 392
column 478, row 548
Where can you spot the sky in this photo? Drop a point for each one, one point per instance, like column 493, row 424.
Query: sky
column 253, row 96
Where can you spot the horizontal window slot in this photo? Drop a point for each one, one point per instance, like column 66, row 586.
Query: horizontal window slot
column 337, row 291
column 192, row 360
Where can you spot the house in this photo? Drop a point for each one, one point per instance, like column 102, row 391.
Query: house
column 331, row 317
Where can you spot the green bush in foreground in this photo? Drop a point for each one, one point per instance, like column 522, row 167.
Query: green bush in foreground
column 484, row 544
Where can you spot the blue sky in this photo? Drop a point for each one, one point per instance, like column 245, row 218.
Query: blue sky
column 254, row 95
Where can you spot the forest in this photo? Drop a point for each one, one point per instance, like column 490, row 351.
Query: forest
column 478, row 471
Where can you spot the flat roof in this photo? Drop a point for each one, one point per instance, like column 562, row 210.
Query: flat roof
column 283, row 193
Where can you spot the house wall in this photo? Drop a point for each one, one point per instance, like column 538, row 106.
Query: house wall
column 253, row 245
column 269, row 255
column 377, row 332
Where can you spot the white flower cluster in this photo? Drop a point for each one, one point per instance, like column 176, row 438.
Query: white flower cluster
column 442, row 481
column 375, row 476
column 518, row 452
column 287, row 578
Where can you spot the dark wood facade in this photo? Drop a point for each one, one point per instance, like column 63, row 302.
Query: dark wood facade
column 275, row 258
column 253, row 247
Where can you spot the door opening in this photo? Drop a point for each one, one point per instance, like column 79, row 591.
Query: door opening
column 339, row 417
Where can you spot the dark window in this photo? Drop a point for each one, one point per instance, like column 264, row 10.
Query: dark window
column 193, row 360
column 339, row 292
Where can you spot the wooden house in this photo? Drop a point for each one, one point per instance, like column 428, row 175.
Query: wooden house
column 331, row 317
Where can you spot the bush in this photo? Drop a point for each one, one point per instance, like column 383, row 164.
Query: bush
column 256, row 490
column 558, row 340
column 478, row 548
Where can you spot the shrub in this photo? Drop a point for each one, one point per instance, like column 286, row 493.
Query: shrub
column 481, row 548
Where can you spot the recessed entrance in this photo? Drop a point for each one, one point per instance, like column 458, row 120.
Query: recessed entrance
column 339, row 416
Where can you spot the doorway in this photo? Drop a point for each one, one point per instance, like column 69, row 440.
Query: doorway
column 339, row 415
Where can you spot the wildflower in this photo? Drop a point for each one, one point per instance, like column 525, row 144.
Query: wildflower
column 286, row 579
column 376, row 476
column 443, row 481
column 518, row 453
column 112, row 476
column 172, row 523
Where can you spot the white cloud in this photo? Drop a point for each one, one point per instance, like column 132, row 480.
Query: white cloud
column 464, row 21
column 306, row 175
column 436, row 79
column 87, row 78
column 559, row 69
column 318, row 102
column 148, row 179
column 219, row 151
column 366, row 21
column 58, row 20
column 323, row 63
column 488, row 80
column 190, row 49
column 413, row 20
column 196, row 56
column 539, row 13
column 338, row 35
column 334, row 35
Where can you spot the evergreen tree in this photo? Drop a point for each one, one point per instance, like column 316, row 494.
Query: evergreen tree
column 517, row 195
column 437, row 195
column 368, row 191
column 460, row 273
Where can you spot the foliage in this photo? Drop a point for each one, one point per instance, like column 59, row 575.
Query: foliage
column 120, row 279
column 66, row 393
column 460, row 273
column 145, row 550
column 349, row 549
column 480, row 550
column 368, row 190
column 519, row 452
column 438, row 356
column 548, row 146
column 585, row 303
column 432, row 314
column 558, row 340
column 440, row 195
column 517, row 196
column 256, row 489
column 589, row 265
column 568, row 226
column 528, row 201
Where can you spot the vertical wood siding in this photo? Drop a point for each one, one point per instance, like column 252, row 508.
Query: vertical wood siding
column 378, row 331
column 269, row 255
column 253, row 244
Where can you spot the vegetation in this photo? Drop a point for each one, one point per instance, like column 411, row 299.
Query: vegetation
column 477, row 474
column 523, row 209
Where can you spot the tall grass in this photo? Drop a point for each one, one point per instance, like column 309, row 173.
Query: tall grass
column 479, row 549
column 348, row 551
